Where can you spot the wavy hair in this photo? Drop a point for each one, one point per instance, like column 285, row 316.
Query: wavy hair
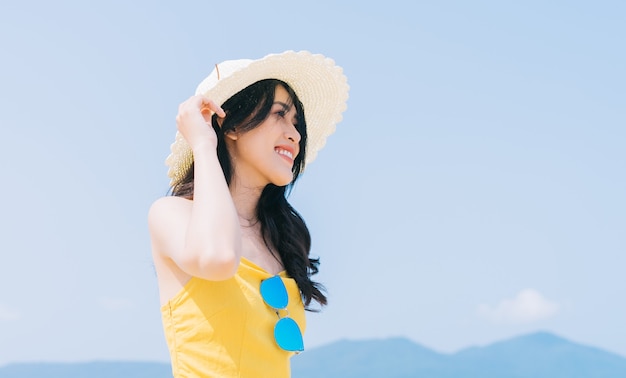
column 282, row 227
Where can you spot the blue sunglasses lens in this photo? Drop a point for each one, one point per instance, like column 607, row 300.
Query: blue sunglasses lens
column 274, row 293
column 286, row 332
column 288, row 335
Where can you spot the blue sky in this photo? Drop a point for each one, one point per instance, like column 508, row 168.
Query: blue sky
column 473, row 192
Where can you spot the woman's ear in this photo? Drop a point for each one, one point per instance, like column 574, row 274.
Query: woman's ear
column 232, row 134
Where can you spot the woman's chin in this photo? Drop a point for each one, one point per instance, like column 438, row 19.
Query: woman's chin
column 283, row 179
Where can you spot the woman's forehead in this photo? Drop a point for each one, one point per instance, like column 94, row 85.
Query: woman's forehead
column 284, row 99
column 281, row 95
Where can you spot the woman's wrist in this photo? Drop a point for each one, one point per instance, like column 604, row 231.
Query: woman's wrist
column 200, row 148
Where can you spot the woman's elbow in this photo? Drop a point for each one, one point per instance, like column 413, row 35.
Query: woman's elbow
column 219, row 267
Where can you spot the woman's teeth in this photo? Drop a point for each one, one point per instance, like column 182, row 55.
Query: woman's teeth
column 286, row 153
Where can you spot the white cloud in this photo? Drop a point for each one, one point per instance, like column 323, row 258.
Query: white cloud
column 7, row 314
column 528, row 306
column 115, row 304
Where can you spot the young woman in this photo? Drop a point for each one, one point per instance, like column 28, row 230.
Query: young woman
column 231, row 254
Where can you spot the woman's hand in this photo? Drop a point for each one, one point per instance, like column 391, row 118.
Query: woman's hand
column 194, row 121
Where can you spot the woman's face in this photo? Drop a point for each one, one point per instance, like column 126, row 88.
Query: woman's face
column 266, row 153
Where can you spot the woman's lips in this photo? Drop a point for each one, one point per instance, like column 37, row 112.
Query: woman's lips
column 285, row 152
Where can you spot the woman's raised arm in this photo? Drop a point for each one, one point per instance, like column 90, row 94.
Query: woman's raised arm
column 202, row 236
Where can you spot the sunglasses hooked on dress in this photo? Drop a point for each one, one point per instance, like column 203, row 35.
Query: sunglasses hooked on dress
column 286, row 331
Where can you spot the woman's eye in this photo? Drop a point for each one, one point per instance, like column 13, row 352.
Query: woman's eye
column 281, row 113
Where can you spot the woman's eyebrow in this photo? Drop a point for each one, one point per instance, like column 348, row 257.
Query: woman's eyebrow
column 285, row 106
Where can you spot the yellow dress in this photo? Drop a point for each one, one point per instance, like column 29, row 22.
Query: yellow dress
column 224, row 329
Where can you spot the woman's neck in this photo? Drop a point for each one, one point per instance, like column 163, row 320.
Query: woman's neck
column 245, row 199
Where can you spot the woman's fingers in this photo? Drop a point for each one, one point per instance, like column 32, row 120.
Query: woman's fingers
column 202, row 103
column 207, row 103
column 194, row 115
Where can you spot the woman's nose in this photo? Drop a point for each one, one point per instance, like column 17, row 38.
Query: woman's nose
column 292, row 134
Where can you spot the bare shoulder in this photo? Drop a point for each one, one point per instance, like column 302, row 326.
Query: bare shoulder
column 166, row 210
column 166, row 205
column 167, row 218
column 167, row 221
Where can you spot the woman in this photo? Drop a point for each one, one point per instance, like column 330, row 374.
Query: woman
column 231, row 254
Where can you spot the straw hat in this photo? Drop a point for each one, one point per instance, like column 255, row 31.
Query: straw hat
column 320, row 85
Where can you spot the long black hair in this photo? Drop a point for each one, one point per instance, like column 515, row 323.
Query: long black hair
column 282, row 228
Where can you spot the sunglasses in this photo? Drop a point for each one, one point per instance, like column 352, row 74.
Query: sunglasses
column 286, row 332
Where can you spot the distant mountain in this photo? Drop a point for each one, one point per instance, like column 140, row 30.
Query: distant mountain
column 538, row 355
column 541, row 355
column 369, row 358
